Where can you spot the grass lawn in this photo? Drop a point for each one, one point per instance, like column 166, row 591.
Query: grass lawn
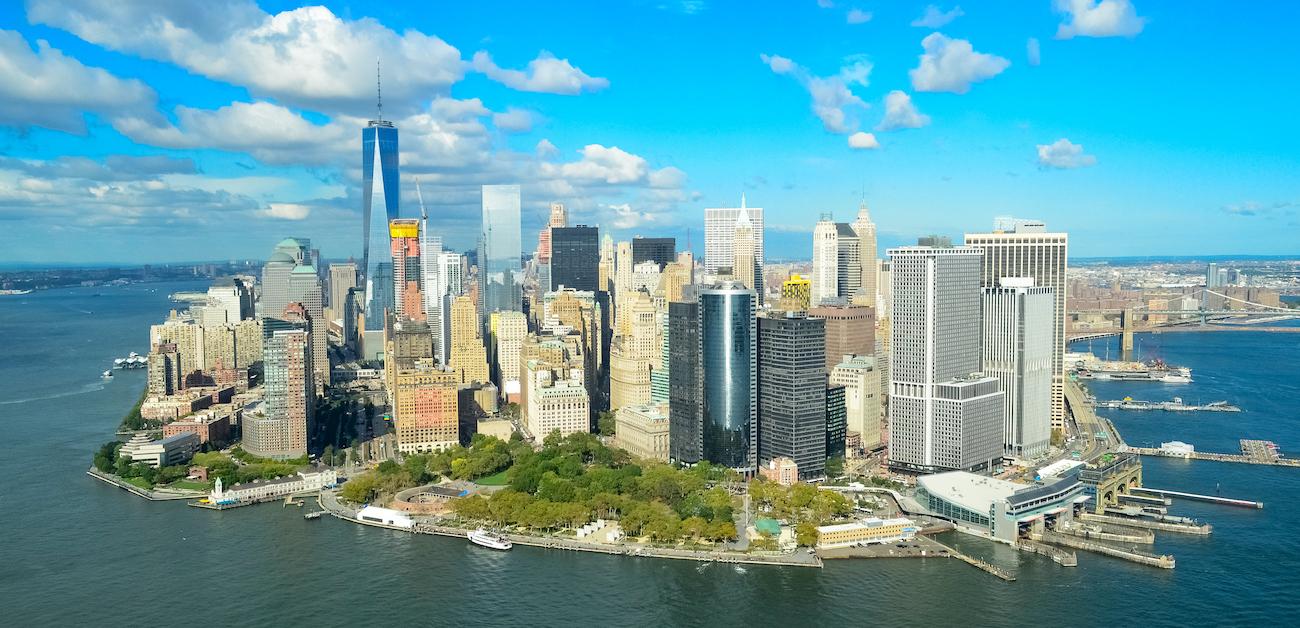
column 496, row 479
column 140, row 482
column 189, row 485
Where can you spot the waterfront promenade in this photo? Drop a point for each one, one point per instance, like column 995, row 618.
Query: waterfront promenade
column 160, row 495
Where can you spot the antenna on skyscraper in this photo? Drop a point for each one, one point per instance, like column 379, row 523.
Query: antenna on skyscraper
column 379, row 91
column 424, row 215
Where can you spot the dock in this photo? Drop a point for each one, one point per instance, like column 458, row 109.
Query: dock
column 1145, row 500
column 1213, row 499
column 1001, row 573
column 1162, row 561
column 1098, row 533
column 1201, row 455
column 1163, row 526
column 1176, row 405
column 1058, row 555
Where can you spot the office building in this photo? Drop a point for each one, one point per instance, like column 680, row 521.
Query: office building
column 557, row 400
column 728, row 376
column 841, row 273
column 825, row 261
column 288, row 254
column 1029, row 250
column 166, row 452
column 281, row 428
column 342, row 277
column 867, row 254
column 720, row 234
column 499, row 255
column 858, row 376
column 575, row 258
column 792, row 417
column 380, row 202
column 942, row 414
column 661, row 251
column 850, row 330
column 634, row 352
column 744, row 265
column 305, row 289
column 1017, row 350
column 796, row 294
column 836, row 426
column 468, row 354
column 642, row 430
column 404, row 240
column 425, row 408
column 683, row 347
column 510, row 330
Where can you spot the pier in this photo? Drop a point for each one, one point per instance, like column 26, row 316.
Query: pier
column 1145, row 500
column 1058, row 555
column 1225, row 501
column 1163, row 526
column 1213, row 457
column 1164, row 561
column 1096, row 532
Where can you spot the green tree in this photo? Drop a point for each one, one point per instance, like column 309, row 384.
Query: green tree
column 694, row 527
column 606, row 423
column 834, row 466
column 360, row 489
column 805, row 533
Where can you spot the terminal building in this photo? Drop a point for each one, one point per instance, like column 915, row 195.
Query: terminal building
column 998, row 509
column 866, row 532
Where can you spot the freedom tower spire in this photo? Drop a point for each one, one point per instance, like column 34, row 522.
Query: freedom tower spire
column 380, row 195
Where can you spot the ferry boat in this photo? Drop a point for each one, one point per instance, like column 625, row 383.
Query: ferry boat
column 487, row 539
column 1154, row 371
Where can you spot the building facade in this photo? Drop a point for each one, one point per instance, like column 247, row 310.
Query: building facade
column 575, row 258
column 792, row 391
column 499, row 256
column 728, row 376
column 642, row 431
column 1018, row 322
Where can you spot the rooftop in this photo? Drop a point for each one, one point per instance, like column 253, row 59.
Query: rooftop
column 975, row 493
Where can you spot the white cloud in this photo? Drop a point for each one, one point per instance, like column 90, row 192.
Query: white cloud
column 667, row 178
column 544, row 74
column 545, row 149
column 900, row 113
column 47, row 88
column 286, row 211
column 1033, row 52
column 1093, row 18
column 1063, row 154
column 832, row 100
column 934, row 17
column 271, row 133
column 861, row 140
column 513, row 120
column 951, row 65
column 858, row 16
column 306, row 56
column 826, row 4
column 622, row 216
column 611, row 165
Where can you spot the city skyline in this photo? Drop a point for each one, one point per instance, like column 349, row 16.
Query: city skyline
column 198, row 134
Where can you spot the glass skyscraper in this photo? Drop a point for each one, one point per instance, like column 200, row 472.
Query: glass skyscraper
column 728, row 376
column 380, row 195
column 575, row 258
column 499, row 250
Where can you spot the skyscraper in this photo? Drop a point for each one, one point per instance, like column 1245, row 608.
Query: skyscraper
column 288, row 253
column 942, row 415
column 511, row 327
column 683, row 345
column 305, row 290
column 867, row 253
column 408, row 297
column 342, row 277
column 1030, row 251
column 825, row 261
column 468, row 355
column 796, row 294
column 728, row 377
column 499, row 250
column 575, row 258
column 425, row 408
column 860, row 379
column 720, row 232
column 744, row 265
column 662, row 251
column 449, row 286
column 283, row 426
column 380, row 199
column 850, row 330
column 838, row 272
column 634, row 353
column 1017, row 350
column 792, row 391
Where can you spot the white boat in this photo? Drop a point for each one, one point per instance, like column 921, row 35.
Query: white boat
column 487, row 539
column 107, row 375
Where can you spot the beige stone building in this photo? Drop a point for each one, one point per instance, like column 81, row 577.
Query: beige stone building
column 861, row 382
column 642, row 430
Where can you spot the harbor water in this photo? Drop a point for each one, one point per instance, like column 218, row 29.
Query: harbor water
column 78, row 552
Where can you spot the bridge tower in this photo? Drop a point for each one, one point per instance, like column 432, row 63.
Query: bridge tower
column 1126, row 334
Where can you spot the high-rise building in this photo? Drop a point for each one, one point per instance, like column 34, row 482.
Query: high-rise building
column 380, row 202
column 683, row 347
column 838, row 267
column 835, row 428
column 796, row 294
column 1031, row 251
column 634, row 353
column 275, row 276
column 408, row 297
column 850, row 330
column 226, row 303
column 720, row 234
column 163, row 377
column 792, row 391
column 449, row 286
column 728, row 377
column 942, row 414
column 425, row 408
column 622, row 280
column 342, row 277
column 1017, row 350
column 825, row 261
column 281, row 430
column 860, row 379
column 511, row 328
column 661, row 251
column 499, row 256
column 557, row 400
column 305, row 289
column 575, row 258
column 468, row 354
column 867, row 254
column 1212, row 275
column 744, row 264
column 606, row 278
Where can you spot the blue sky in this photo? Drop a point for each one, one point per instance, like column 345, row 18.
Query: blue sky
column 147, row 132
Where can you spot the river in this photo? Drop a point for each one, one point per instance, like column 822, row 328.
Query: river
column 77, row 551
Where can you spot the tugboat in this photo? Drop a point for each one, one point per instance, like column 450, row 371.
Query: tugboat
column 487, row 539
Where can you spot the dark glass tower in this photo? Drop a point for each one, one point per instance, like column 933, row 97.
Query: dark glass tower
column 380, row 195
column 684, row 381
column 728, row 378
column 661, row 251
column 792, row 391
column 575, row 258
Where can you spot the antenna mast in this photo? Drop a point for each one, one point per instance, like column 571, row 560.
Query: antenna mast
column 379, row 91
column 424, row 215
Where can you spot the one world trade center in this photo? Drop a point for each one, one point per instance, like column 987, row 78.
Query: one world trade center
column 379, row 197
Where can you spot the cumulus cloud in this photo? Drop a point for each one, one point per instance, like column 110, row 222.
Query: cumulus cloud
column 513, row 120
column 307, row 56
column 44, row 87
column 832, row 100
column 858, row 16
column 1098, row 18
column 934, row 17
column 545, row 149
column 1063, row 154
column 608, row 164
column 900, row 113
column 622, row 216
column 286, row 211
column 544, row 74
column 951, row 65
column 863, row 141
column 1032, row 51
column 271, row 133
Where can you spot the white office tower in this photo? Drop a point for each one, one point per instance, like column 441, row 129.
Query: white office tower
column 720, row 231
column 430, row 251
column 451, row 274
column 866, row 232
column 1017, row 350
column 825, row 268
column 1024, row 248
column 944, row 415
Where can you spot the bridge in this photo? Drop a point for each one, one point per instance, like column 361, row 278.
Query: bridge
column 1185, row 317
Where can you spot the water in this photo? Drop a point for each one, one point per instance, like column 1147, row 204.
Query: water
column 76, row 551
